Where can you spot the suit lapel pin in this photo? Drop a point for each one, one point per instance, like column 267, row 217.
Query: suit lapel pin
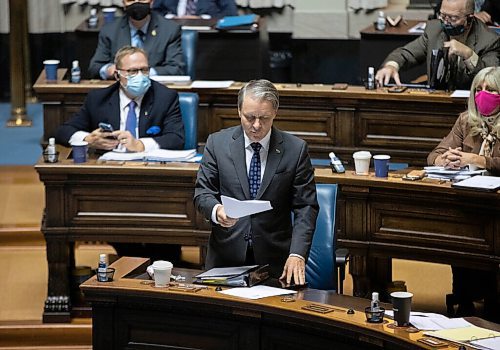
column 278, row 151
column 153, row 33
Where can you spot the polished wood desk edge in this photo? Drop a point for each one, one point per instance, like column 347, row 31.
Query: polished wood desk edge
column 42, row 87
column 137, row 287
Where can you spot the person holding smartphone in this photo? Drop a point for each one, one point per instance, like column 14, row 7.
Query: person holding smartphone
column 135, row 114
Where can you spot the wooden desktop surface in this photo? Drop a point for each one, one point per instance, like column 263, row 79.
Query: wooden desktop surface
column 131, row 311
column 400, row 30
column 377, row 219
column 406, row 126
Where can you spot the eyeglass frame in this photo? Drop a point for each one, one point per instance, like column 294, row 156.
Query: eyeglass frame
column 452, row 18
column 262, row 119
column 132, row 72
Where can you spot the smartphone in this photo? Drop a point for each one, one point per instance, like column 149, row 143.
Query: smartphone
column 339, row 86
column 106, row 127
column 397, row 89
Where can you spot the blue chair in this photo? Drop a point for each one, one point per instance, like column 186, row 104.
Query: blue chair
column 189, row 41
column 188, row 102
column 323, row 262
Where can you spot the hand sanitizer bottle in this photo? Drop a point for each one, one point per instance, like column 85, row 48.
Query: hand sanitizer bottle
column 75, row 72
column 375, row 302
column 101, row 269
column 93, row 18
column 380, row 24
column 371, row 79
column 336, row 164
column 50, row 151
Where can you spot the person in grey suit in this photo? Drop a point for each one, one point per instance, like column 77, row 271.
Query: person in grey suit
column 457, row 29
column 257, row 161
column 213, row 8
column 160, row 38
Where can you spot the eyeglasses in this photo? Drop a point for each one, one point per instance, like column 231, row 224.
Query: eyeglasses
column 449, row 18
column 132, row 72
column 263, row 119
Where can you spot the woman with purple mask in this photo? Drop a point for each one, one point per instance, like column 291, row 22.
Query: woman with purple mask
column 473, row 141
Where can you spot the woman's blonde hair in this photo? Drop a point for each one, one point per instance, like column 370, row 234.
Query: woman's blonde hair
column 490, row 76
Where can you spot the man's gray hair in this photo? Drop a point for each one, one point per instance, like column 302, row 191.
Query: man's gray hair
column 262, row 90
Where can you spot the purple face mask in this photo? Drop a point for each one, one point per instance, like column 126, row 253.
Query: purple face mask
column 487, row 103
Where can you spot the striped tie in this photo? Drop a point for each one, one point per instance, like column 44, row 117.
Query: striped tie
column 190, row 8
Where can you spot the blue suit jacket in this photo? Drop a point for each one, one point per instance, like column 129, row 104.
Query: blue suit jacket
column 162, row 44
column 214, row 8
column 159, row 107
column 288, row 183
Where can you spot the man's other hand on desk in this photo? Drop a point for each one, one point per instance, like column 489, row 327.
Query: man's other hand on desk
column 295, row 267
column 385, row 74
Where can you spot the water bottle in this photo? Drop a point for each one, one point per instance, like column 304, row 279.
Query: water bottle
column 336, row 164
column 371, row 79
column 374, row 305
column 93, row 18
column 101, row 269
column 380, row 25
column 50, row 151
column 75, row 72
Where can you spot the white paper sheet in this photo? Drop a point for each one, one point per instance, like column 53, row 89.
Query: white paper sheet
column 488, row 183
column 225, row 271
column 257, row 292
column 211, row 84
column 461, row 93
column 418, row 28
column 159, row 155
column 171, row 78
column 487, row 343
column 235, row 208
column 433, row 322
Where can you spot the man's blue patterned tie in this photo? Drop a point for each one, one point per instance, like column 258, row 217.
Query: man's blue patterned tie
column 131, row 123
column 254, row 171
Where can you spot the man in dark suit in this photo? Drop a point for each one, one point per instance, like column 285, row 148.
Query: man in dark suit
column 213, row 8
column 458, row 30
column 160, row 38
column 257, row 161
column 145, row 116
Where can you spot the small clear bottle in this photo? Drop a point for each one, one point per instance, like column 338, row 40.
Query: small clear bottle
column 374, row 305
column 50, row 151
column 380, row 24
column 101, row 268
column 75, row 72
column 93, row 18
column 371, row 79
column 336, row 164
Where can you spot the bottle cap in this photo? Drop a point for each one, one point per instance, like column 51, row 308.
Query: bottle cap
column 93, row 11
column 331, row 155
column 102, row 257
column 52, row 141
column 381, row 13
column 371, row 70
column 75, row 64
column 375, row 296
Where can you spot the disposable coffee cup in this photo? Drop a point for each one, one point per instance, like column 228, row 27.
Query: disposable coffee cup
column 108, row 14
column 51, row 69
column 362, row 162
column 401, row 305
column 79, row 151
column 381, row 162
column 162, row 271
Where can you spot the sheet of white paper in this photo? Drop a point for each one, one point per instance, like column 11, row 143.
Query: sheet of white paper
column 433, row 322
column 225, row 271
column 257, row 292
column 487, row 343
column 168, row 155
column 211, row 84
column 237, row 209
column 418, row 28
column 112, row 155
column 480, row 182
column 461, row 93
column 170, row 78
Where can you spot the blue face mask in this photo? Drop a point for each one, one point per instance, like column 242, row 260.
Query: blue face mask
column 137, row 85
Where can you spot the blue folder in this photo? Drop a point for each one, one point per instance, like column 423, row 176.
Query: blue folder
column 236, row 21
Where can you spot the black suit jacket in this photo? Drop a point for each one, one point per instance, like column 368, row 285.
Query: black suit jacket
column 162, row 44
column 159, row 107
column 288, row 182
column 214, row 8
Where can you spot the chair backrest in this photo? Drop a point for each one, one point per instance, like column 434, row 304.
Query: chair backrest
column 188, row 102
column 189, row 40
column 320, row 268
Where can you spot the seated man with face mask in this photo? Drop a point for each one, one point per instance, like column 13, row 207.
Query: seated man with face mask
column 464, row 36
column 145, row 116
column 139, row 27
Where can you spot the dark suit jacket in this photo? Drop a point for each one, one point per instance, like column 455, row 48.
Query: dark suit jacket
column 214, row 8
column 159, row 107
column 162, row 44
column 288, row 183
column 485, row 44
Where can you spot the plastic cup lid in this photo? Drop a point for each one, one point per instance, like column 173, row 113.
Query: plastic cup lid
column 51, row 62
column 80, row 143
column 162, row 265
column 109, row 9
column 382, row 156
column 401, row 294
column 362, row 155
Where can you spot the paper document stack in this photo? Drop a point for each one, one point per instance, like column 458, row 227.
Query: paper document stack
column 469, row 336
column 240, row 276
column 439, row 172
column 159, row 155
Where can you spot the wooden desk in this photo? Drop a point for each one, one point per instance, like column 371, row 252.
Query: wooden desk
column 379, row 219
column 131, row 313
column 407, row 126
column 376, row 45
column 240, row 54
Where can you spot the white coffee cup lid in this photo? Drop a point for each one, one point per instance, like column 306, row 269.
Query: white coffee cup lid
column 80, row 143
column 109, row 9
column 401, row 294
column 382, row 156
column 162, row 265
column 362, row 155
column 51, row 62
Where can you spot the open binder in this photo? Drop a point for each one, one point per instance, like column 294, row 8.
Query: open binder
column 240, row 276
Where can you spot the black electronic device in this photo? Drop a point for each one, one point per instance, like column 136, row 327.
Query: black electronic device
column 107, row 128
